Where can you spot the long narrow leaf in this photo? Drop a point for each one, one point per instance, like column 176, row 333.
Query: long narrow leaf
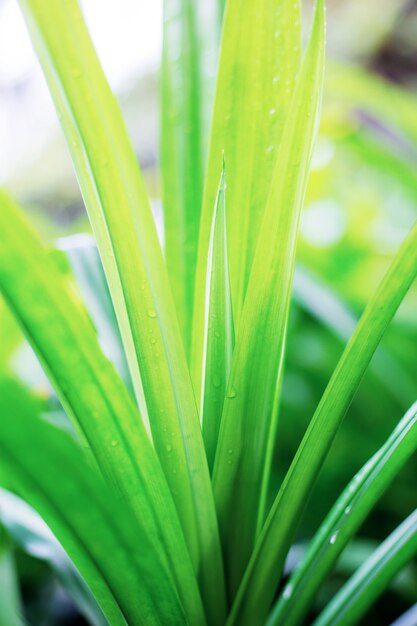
column 366, row 585
column 121, row 217
column 88, row 386
column 344, row 519
column 181, row 151
column 259, row 61
column 218, row 331
column 249, row 418
column 272, row 547
column 99, row 533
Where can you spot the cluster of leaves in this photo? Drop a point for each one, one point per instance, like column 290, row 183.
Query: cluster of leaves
column 160, row 493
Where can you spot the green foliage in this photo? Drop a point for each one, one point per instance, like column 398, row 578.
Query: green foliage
column 165, row 500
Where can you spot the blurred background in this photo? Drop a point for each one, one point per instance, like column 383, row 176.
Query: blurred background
column 362, row 199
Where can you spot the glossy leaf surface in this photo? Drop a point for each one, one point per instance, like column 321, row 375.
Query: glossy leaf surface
column 219, row 330
column 348, row 513
column 98, row 531
column 120, row 214
column 247, row 433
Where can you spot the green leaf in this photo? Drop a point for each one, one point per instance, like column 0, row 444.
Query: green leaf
column 369, row 581
column 89, row 388
column 247, row 433
column 259, row 62
column 124, row 228
column 344, row 519
column 181, row 151
column 31, row 535
column 267, row 561
column 218, row 328
column 99, row 533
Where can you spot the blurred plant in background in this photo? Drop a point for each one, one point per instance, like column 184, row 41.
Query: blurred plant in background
column 361, row 202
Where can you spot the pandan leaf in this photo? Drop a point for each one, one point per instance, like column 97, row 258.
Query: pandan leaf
column 88, row 386
column 45, row 467
column 218, row 328
column 259, row 62
column 247, row 434
column 120, row 214
column 272, row 547
column 344, row 519
column 349, row 604
column 181, row 151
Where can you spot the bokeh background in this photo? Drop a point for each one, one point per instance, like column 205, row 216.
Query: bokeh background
column 361, row 201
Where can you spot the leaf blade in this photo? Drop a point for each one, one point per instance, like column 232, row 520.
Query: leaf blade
column 89, row 387
column 219, row 328
column 275, row 539
column 80, row 511
column 181, row 152
column 365, row 586
column 119, row 210
column 248, row 119
column 251, row 406
column 345, row 517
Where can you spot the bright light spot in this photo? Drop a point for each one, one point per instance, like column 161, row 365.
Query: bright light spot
column 323, row 223
column 16, row 54
column 127, row 35
column 323, row 154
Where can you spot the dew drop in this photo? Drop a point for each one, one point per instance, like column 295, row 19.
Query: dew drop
column 151, row 313
column 231, row 393
column 348, row 510
column 272, row 112
column 169, row 447
column 287, row 593
column 114, row 443
column 333, row 539
column 230, row 451
column 153, row 340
